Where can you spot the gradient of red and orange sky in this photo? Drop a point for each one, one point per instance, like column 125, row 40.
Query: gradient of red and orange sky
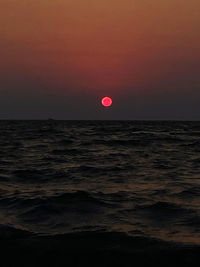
column 58, row 58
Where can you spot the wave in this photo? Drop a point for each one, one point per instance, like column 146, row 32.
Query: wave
column 79, row 203
column 133, row 175
column 164, row 211
column 9, row 231
column 111, row 239
column 89, row 169
column 69, row 151
column 193, row 192
column 34, row 175
column 64, row 198
column 120, row 142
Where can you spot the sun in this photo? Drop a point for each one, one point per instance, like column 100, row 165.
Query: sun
column 106, row 101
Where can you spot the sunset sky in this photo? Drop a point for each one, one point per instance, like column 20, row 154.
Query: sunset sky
column 58, row 58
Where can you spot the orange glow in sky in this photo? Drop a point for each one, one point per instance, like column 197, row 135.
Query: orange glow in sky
column 106, row 46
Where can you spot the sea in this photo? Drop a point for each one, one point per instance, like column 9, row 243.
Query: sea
column 139, row 178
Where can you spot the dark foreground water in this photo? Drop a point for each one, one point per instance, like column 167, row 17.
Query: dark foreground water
column 140, row 179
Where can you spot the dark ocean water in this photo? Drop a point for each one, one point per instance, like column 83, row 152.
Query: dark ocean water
column 134, row 177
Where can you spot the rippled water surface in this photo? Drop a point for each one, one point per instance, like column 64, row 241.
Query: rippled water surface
column 142, row 178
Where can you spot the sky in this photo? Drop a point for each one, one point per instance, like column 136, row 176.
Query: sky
column 59, row 58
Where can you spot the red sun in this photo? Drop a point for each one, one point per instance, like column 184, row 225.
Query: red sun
column 106, row 101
